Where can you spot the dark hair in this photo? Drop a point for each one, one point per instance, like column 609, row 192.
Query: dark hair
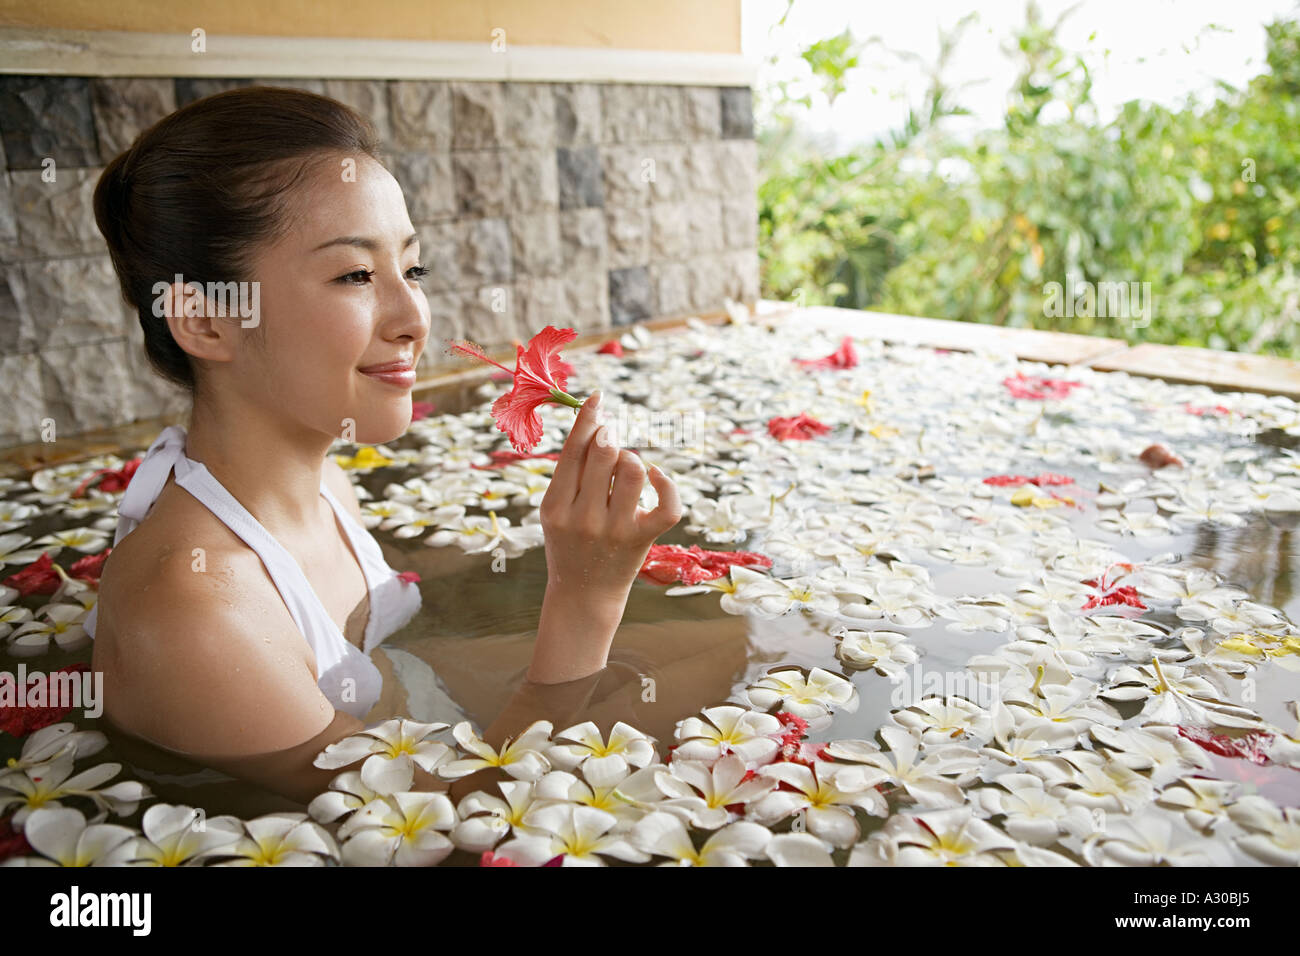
column 199, row 191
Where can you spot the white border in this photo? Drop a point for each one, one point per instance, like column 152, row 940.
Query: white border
column 46, row 51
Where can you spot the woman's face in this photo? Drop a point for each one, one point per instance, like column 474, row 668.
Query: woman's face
column 338, row 294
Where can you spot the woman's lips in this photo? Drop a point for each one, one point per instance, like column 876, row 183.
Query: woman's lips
column 401, row 377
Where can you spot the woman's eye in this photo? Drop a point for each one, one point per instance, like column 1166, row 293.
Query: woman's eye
column 364, row 275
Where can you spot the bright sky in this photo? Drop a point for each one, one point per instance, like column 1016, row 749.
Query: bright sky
column 1157, row 50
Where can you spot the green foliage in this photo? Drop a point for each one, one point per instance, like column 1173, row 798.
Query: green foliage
column 1199, row 202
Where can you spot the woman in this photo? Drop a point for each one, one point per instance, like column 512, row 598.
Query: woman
column 235, row 622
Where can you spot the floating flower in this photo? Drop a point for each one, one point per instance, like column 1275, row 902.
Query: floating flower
column 63, row 837
column 1038, row 387
column 665, row 835
column 801, row 427
column 842, row 357
column 522, row 757
column 669, row 563
column 540, row 376
column 404, row 829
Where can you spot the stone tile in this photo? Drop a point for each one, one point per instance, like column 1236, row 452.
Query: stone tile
column 666, row 112
column 1235, row 370
column 307, row 84
column 582, row 241
column 419, row 114
column 704, row 224
column 667, row 172
column 190, row 88
column 740, row 221
column 625, row 175
column 670, row 231
column 739, row 166
column 67, row 301
column 625, row 112
column 491, row 316
column 21, row 422
column 370, row 98
column 627, row 235
column 86, row 386
column 540, row 302
column 580, row 177
column 47, row 117
column 8, row 224
column 477, row 115
column 532, row 180
column 17, row 328
column 125, row 106
column 485, row 253
column 706, row 168
column 151, row 395
column 586, row 300
column 707, row 281
column 701, row 113
column 535, row 244
column 54, row 219
column 427, row 182
column 671, row 283
column 480, row 183
column 740, row 270
column 530, row 115
column 737, row 112
column 447, row 321
column 440, row 253
column 631, row 296
column 578, row 119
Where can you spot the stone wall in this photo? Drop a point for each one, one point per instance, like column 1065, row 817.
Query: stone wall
column 588, row 205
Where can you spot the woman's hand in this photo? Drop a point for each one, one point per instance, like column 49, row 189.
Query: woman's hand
column 597, row 538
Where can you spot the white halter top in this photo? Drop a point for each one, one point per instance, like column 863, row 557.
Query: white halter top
column 347, row 676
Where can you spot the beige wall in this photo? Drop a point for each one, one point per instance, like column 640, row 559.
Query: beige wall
column 703, row 26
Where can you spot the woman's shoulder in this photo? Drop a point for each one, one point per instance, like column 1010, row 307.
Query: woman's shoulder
column 181, row 561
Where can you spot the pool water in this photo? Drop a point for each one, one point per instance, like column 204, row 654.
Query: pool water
column 900, row 571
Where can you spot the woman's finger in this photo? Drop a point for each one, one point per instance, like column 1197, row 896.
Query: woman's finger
column 669, row 511
column 567, row 476
column 597, row 472
column 629, row 479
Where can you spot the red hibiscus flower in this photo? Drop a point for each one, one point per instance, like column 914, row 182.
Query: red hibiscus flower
column 39, row 577
column 540, row 376
column 1206, row 410
column 842, row 357
column 1021, row 385
column 421, row 410
column 12, row 842
column 21, row 721
column 90, row 567
column 613, row 347
column 801, row 427
column 1251, row 747
column 1046, row 478
column 110, row 480
column 670, row 563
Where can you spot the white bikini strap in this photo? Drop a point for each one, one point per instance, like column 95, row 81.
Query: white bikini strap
column 166, row 452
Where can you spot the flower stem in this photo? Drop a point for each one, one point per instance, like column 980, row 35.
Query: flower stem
column 564, row 398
